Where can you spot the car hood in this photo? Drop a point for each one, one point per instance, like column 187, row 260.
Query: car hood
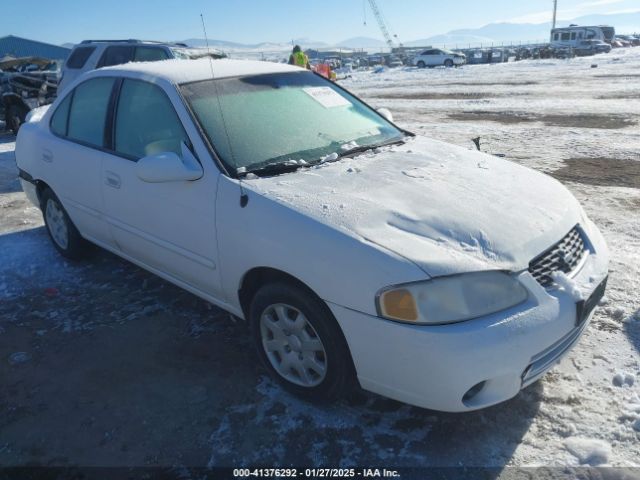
column 445, row 208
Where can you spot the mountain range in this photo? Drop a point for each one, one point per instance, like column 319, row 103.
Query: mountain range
column 503, row 32
column 491, row 33
column 528, row 32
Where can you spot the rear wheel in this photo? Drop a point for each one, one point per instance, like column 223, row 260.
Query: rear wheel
column 63, row 233
column 300, row 343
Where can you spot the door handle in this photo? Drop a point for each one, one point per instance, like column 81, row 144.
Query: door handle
column 47, row 156
column 113, row 180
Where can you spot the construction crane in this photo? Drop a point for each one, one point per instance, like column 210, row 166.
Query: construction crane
column 383, row 26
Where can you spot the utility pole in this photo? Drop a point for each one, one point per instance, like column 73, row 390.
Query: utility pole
column 555, row 13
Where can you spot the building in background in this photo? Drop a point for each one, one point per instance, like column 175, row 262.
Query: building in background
column 17, row 47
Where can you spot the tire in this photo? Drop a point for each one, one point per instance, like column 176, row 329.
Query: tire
column 421, row 64
column 310, row 359
column 62, row 232
column 15, row 117
column 448, row 63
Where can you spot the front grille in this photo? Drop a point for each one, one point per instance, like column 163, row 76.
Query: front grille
column 564, row 257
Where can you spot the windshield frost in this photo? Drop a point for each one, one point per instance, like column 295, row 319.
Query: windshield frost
column 280, row 118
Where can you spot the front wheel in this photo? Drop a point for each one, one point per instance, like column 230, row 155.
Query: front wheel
column 421, row 64
column 448, row 63
column 63, row 233
column 300, row 343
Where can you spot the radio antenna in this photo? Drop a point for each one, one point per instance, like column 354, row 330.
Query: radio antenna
column 244, row 198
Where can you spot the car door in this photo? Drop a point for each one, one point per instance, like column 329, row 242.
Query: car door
column 426, row 57
column 168, row 227
column 74, row 153
column 435, row 58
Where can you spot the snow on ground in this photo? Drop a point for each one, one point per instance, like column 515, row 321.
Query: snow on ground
column 108, row 365
column 580, row 124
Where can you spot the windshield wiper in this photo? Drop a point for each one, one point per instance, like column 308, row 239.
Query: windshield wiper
column 272, row 169
column 285, row 167
column 365, row 148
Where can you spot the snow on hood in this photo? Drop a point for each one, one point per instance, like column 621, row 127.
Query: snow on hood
column 447, row 209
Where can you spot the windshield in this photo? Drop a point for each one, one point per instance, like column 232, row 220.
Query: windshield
column 294, row 118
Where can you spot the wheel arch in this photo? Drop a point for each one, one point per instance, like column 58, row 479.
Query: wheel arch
column 41, row 186
column 257, row 277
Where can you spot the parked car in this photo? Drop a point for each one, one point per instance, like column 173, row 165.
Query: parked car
column 374, row 60
column 357, row 251
column 435, row 57
column 591, row 47
column 394, row 62
column 631, row 39
column 477, row 56
column 25, row 83
column 91, row 54
column 619, row 42
column 562, row 52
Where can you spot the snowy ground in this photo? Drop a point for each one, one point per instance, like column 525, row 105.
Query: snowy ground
column 104, row 364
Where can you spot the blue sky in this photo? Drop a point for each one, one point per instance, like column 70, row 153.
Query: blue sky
column 254, row 21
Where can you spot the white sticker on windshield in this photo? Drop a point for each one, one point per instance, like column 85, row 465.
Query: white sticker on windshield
column 327, row 97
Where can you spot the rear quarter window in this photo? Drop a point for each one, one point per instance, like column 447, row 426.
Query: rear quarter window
column 79, row 57
column 60, row 116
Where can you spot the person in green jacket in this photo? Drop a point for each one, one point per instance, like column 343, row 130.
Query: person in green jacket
column 299, row 58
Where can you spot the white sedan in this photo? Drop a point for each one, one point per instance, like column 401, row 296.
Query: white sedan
column 358, row 252
column 437, row 57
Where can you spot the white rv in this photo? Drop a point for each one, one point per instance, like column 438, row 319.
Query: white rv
column 573, row 35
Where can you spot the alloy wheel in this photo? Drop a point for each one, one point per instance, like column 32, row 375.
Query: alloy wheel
column 293, row 346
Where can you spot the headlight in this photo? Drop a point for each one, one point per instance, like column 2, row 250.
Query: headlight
column 451, row 299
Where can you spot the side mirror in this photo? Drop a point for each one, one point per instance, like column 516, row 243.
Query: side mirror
column 169, row 167
column 386, row 114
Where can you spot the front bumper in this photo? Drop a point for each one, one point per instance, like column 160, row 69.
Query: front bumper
column 435, row 366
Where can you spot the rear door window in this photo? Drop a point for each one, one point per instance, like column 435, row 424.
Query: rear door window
column 149, row 54
column 79, row 57
column 88, row 111
column 116, row 55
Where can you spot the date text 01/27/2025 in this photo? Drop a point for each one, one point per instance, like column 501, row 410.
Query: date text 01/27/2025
column 315, row 473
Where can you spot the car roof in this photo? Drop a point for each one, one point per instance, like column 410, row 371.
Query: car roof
column 184, row 71
column 130, row 41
